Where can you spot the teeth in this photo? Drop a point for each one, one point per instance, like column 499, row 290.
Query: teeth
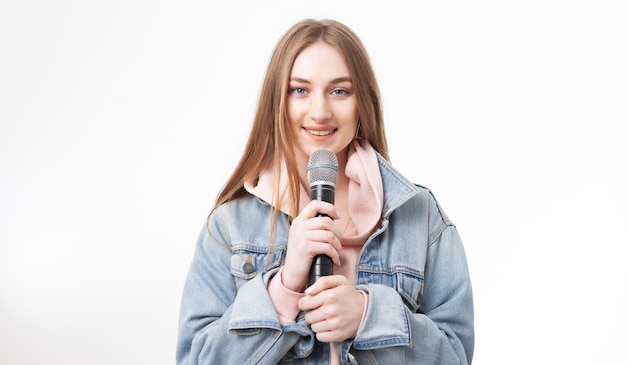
column 320, row 133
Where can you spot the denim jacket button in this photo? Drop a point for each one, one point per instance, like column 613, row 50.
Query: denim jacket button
column 248, row 268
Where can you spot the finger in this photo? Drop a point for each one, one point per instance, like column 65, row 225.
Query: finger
column 310, row 303
column 331, row 336
column 320, row 327
column 322, row 236
column 326, row 282
column 316, row 207
column 330, row 249
column 314, row 313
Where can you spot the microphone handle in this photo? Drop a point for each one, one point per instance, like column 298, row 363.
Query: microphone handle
column 322, row 265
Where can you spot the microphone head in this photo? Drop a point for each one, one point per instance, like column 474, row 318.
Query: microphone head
column 323, row 168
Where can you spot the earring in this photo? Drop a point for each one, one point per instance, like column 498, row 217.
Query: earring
column 357, row 135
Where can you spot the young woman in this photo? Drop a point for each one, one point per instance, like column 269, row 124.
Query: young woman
column 400, row 292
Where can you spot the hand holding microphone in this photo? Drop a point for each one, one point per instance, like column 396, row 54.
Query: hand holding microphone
column 314, row 241
column 337, row 316
column 322, row 172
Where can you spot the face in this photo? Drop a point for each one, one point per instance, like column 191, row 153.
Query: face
column 321, row 105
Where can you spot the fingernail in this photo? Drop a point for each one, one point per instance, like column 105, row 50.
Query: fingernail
column 310, row 289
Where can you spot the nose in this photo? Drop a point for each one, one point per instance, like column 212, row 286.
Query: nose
column 319, row 109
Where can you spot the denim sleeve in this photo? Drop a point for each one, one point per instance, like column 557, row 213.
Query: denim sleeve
column 442, row 329
column 220, row 324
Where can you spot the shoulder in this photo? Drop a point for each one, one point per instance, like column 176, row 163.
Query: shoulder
column 244, row 205
column 400, row 191
column 231, row 213
column 416, row 203
column 424, row 206
column 434, row 206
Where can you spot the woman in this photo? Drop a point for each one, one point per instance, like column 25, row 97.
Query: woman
column 400, row 292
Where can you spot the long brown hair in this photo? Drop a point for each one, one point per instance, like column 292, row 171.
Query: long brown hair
column 269, row 142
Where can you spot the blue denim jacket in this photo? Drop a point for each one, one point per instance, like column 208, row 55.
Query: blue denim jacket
column 413, row 267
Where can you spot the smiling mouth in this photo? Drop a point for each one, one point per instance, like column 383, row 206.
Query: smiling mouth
column 320, row 133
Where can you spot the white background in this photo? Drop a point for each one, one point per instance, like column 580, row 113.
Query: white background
column 120, row 121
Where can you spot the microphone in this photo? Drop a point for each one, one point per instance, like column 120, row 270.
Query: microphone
column 322, row 172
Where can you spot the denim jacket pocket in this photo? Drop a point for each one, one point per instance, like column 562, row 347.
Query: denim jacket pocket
column 248, row 260
column 406, row 281
column 410, row 286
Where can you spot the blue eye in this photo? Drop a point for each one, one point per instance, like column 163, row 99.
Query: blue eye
column 340, row 92
column 299, row 90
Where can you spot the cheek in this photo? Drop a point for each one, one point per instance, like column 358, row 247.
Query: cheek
column 295, row 112
column 350, row 118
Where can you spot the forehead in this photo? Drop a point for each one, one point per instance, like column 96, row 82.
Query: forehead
column 320, row 59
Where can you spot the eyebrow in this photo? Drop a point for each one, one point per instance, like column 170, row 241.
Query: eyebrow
column 333, row 81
